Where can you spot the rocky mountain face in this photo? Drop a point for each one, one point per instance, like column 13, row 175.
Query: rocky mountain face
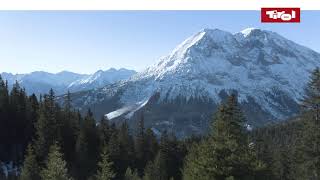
column 40, row 82
column 180, row 93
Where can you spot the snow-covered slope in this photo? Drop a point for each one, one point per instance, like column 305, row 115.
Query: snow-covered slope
column 266, row 70
column 100, row 78
column 253, row 62
column 40, row 82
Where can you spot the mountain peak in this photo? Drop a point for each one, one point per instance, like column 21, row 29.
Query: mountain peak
column 112, row 70
column 221, row 60
column 258, row 34
column 219, row 36
column 267, row 71
column 67, row 73
column 246, row 32
column 202, row 38
column 215, row 30
column 98, row 72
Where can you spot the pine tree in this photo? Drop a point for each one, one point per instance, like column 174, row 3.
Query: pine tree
column 161, row 166
column 265, row 153
column 311, row 132
column 225, row 154
column 151, row 172
column 87, row 147
column 167, row 163
column 17, row 122
column 56, row 167
column 114, row 152
column 152, row 145
column 48, row 126
column 105, row 171
column 140, row 147
column 42, row 143
column 32, row 117
column 311, row 100
column 69, row 130
column 4, row 101
column 284, row 164
column 104, row 131
column 131, row 175
column 30, row 169
column 4, row 121
column 126, row 148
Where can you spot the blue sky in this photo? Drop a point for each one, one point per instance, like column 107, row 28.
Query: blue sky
column 85, row 41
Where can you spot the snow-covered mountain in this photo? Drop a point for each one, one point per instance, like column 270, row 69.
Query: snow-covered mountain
column 254, row 62
column 40, row 82
column 100, row 79
column 181, row 91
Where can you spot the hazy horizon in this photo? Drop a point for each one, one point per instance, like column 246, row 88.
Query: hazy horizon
column 68, row 71
column 84, row 42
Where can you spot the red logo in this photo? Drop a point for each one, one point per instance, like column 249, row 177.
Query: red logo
column 280, row 15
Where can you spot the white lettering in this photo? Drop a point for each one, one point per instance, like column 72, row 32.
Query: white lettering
column 281, row 14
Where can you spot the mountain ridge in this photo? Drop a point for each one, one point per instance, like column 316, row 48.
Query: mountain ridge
column 39, row 82
column 266, row 70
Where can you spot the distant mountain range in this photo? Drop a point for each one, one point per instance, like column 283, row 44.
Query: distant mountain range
column 182, row 90
column 40, row 82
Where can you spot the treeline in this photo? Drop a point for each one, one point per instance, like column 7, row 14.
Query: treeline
column 291, row 150
column 47, row 141
column 44, row 140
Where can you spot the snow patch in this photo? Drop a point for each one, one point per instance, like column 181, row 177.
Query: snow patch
column 128, row 111
column 140, row 105
column 156, row 132
column 249, row 127
column 118, row 112
column 246, row 32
